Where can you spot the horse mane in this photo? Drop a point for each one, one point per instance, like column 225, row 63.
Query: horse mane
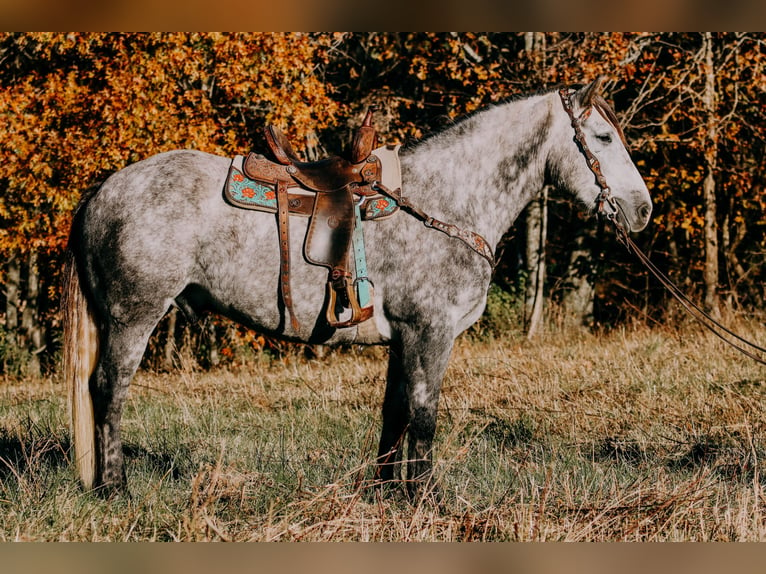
column 599, row 102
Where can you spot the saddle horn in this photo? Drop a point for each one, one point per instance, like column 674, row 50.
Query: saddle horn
column 365, row 138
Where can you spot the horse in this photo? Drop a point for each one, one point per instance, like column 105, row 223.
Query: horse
column 158, row 233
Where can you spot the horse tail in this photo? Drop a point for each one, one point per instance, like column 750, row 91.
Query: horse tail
column 80, row 354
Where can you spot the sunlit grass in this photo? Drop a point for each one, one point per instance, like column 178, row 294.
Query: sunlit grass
column 635, row 435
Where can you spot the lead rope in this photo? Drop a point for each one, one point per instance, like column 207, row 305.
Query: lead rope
column 605, row 196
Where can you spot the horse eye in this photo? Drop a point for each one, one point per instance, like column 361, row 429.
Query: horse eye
column 604, row 138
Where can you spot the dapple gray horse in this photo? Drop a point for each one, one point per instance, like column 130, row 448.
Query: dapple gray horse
column 158, row 233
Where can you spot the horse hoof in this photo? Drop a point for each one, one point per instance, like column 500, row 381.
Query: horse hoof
column 425, row 492
column 389, row 490
column 111, row 489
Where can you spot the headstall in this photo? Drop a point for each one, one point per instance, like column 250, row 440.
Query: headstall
column 605, row 195
column 739, row 343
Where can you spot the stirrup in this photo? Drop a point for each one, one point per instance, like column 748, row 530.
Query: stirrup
column 346, row 287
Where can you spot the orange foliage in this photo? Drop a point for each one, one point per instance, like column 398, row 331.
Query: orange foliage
column 75, row 107
column 80, row 106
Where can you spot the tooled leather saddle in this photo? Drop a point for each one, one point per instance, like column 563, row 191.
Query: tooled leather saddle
column 336, row 194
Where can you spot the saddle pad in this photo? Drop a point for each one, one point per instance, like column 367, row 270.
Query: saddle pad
column 379, row 206
column 246, row 193
column 391, row 169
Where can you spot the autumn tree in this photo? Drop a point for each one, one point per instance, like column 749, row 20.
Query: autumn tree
column 76, row 107
column 697, row 113
column 536, row 213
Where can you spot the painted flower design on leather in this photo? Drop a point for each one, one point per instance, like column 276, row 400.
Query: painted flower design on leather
column 379, row 208
column 244, row 190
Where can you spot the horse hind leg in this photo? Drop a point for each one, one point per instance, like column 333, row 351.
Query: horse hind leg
column 121, row 351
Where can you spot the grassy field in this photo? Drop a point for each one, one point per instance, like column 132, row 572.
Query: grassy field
column 638, row 435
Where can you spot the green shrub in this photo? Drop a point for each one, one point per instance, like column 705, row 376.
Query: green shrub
column 14, row 360
column 503, row 316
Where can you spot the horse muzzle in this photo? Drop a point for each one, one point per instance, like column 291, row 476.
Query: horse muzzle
column 633, row 215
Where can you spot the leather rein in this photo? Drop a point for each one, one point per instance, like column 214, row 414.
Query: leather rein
column 742, row 345
column 470, row 238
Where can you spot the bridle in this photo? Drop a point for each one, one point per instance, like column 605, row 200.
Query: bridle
column 605, row 196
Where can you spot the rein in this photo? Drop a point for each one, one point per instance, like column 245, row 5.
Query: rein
column 744, row 346
column 470, row 238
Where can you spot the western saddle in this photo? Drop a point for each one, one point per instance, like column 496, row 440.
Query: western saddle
column 336, row 187
column 336, row 194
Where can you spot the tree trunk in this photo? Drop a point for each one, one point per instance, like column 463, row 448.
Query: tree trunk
column 537, row 229
column 577, row 302
column 710, row 102
column 30, row 319
column 536, row 219
column 213, row 358
column 534, row 43
column 12, row 290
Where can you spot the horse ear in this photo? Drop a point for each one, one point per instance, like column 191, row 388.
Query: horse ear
column 588, row 94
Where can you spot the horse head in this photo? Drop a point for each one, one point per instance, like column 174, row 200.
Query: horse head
column 594, row 162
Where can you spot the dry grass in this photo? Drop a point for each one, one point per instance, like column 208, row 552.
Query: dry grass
column 635, row 435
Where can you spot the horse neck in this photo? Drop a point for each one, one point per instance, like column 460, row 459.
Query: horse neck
column 481, row 172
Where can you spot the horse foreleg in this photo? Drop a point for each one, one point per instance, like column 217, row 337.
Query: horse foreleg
column 416, row 369
column 395, row 418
